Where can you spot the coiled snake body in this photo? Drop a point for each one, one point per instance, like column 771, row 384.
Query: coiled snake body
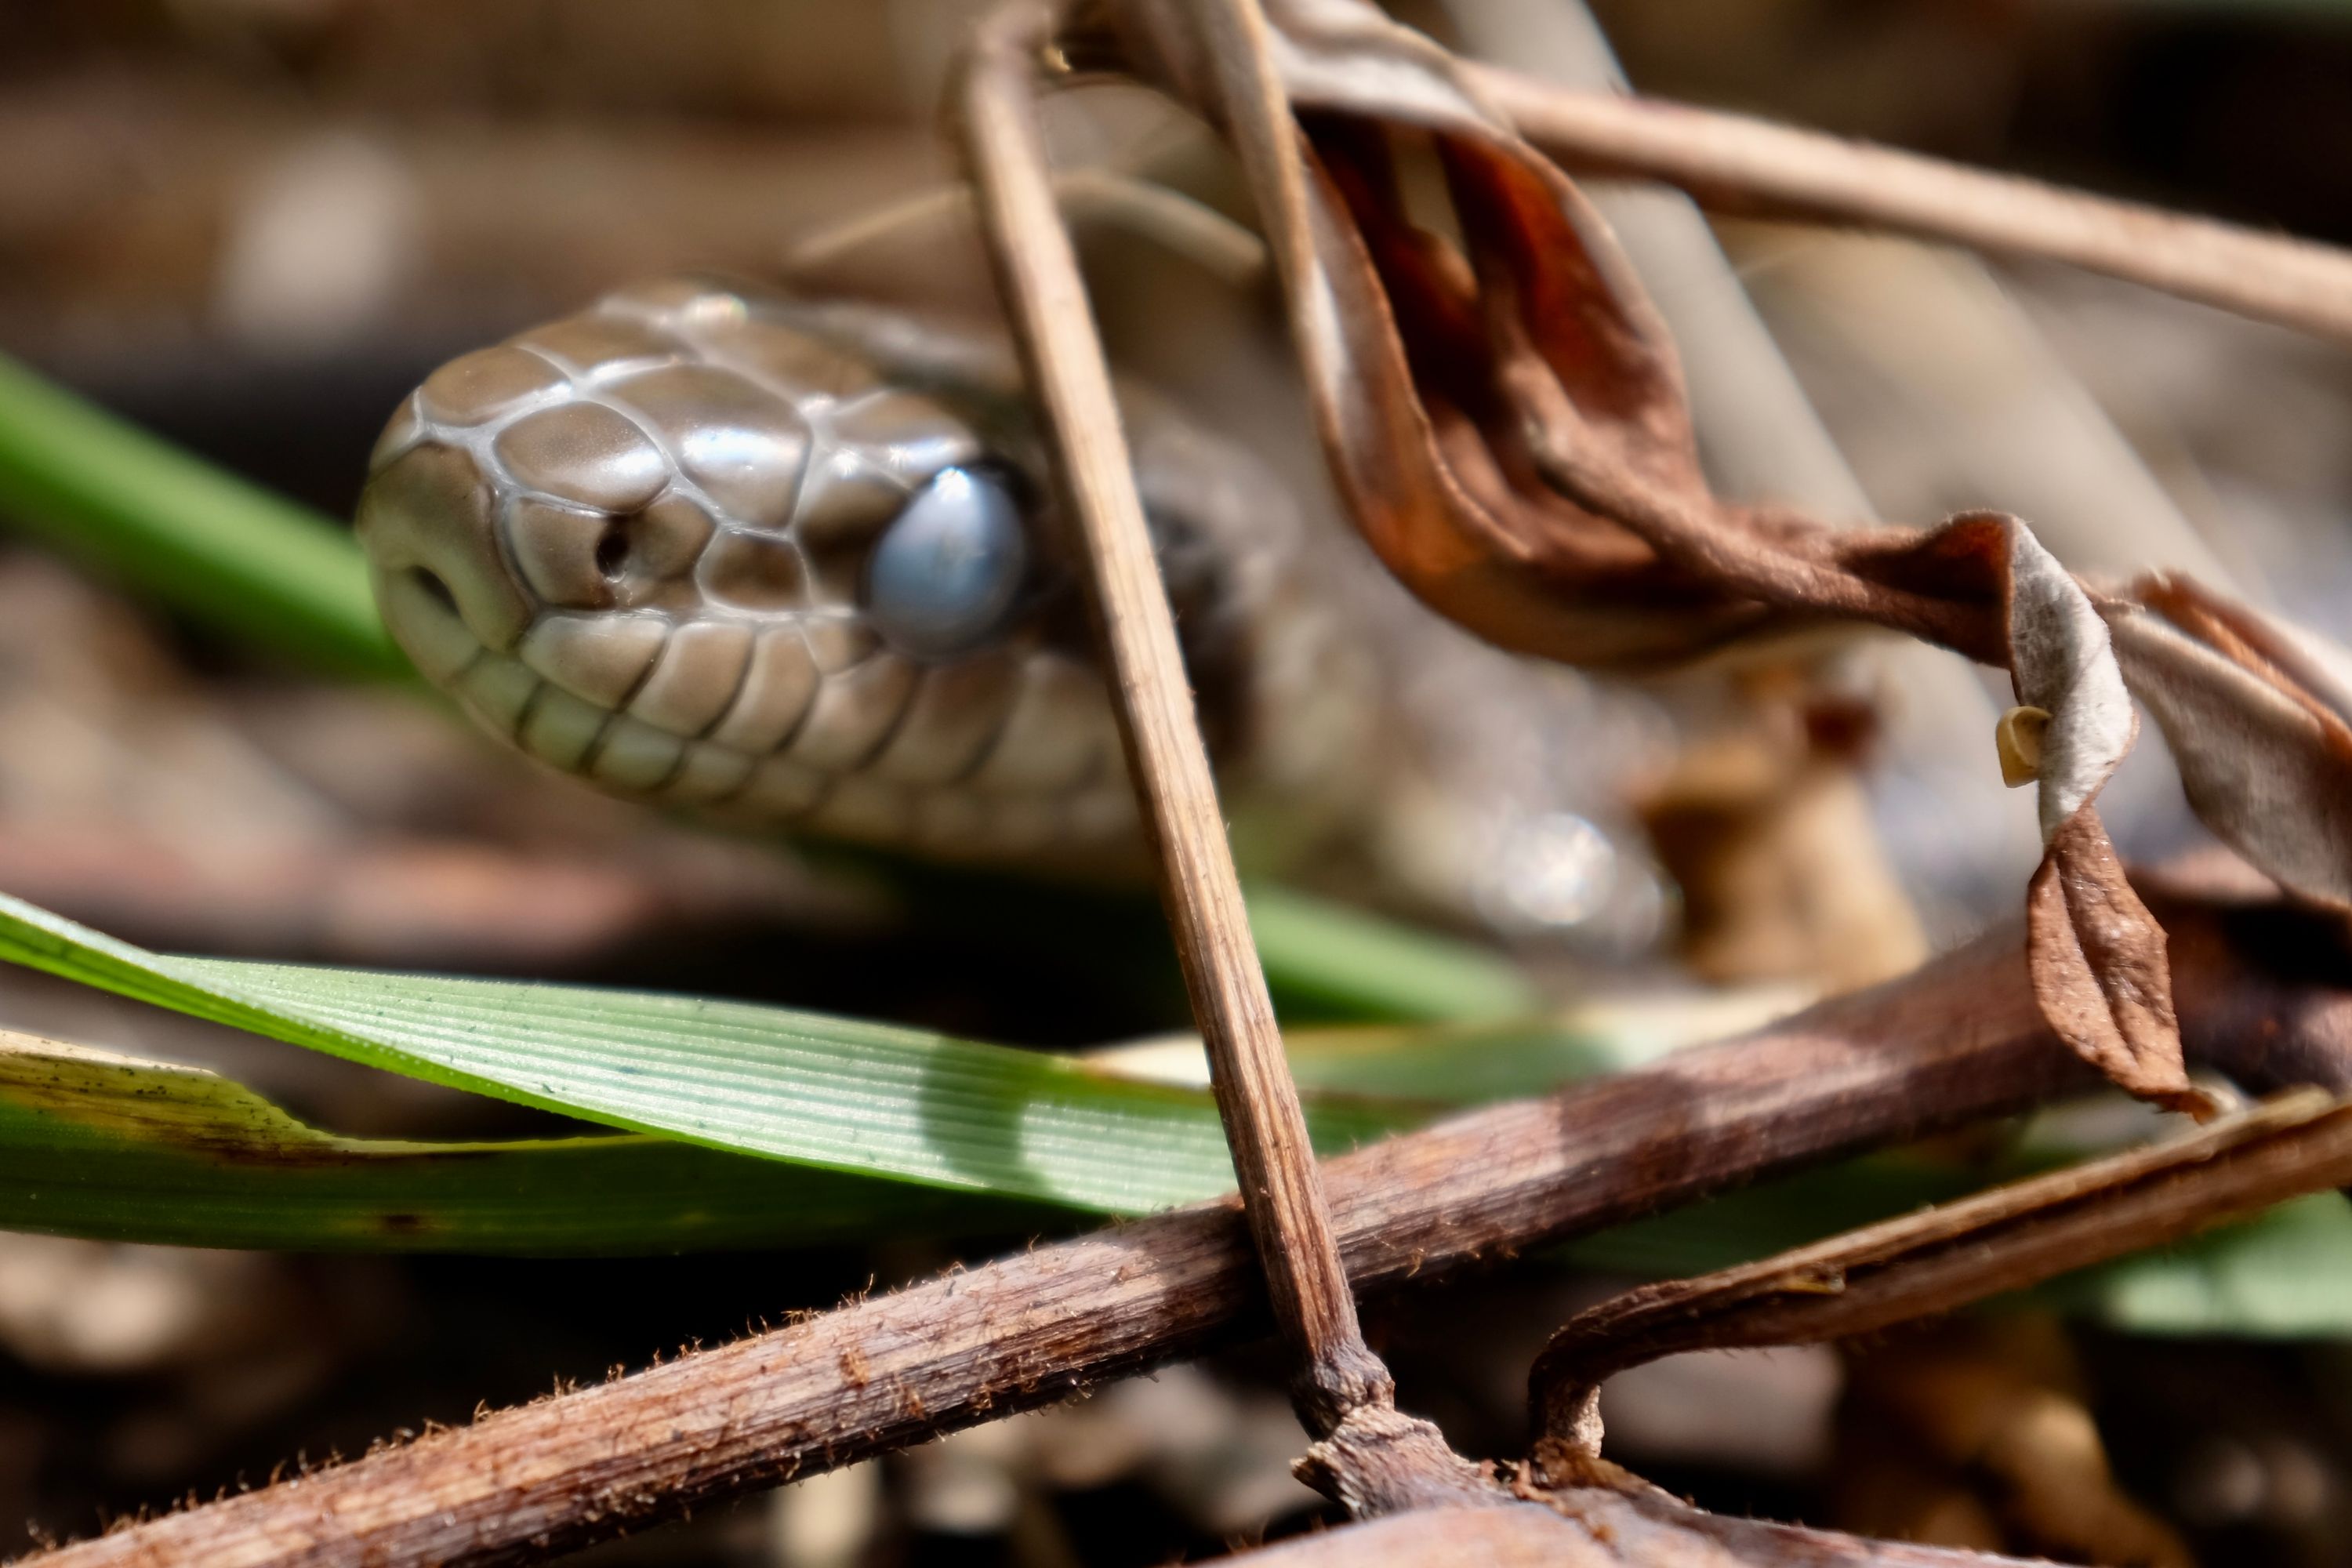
column 797, row 565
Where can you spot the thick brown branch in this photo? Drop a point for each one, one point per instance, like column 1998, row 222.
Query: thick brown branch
column 1037, row 274
column 1952, row 1043
column 1945, row 1258
column 1731, row 163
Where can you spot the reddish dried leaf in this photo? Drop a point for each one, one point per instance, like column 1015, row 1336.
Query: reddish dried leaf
column 1408, row 348
column 1506, row 420
column 2100, row 976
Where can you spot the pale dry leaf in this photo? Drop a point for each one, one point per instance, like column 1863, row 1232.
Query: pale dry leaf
column 2256, row 715
column 2059, row 662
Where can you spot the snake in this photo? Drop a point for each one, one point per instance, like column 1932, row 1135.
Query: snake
column 798, row 565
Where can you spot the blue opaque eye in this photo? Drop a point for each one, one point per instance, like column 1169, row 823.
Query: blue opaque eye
column 948, row 567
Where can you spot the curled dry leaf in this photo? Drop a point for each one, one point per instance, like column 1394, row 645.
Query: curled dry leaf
column 2061, row 662
column 1393, row 334
column 2259, row 718
column 1505, row 417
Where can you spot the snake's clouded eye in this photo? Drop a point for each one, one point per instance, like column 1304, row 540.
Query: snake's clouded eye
column 945, row 573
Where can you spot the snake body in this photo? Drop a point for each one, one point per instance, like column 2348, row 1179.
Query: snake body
column 750, row 555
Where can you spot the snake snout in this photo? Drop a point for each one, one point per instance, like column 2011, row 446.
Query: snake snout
column 425, row 520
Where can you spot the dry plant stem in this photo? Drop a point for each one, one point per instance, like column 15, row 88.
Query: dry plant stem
column 1953, row 1043
column 1038, row 275
column 1944, row 1257
column 1737, row 164
column 1264, row 135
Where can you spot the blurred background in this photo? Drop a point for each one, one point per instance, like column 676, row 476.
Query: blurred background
column 252, row 225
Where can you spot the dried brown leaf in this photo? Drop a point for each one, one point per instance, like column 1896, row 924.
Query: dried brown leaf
column 2100, row 976
column 1405, row 342
column 1505, row 415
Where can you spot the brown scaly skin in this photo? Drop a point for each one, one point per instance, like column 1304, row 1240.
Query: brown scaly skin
column 633, row 541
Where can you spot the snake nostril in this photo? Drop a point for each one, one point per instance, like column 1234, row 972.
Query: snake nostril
column 613, row 550
column 434, row 588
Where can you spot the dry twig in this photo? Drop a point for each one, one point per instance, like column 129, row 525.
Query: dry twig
column 1945, row 1258
column 1369, row 1457
column 1955, row 1042
column 1734, row 164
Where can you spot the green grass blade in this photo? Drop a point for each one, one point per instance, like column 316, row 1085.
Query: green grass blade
column 787, row 1085
column 2286, row 1275
column 230, row 553
column 1475, row 1064
column 117, row 1149
column 1345, row 962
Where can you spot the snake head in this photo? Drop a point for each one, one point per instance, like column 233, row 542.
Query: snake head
column 694, row 547
column 796, row 564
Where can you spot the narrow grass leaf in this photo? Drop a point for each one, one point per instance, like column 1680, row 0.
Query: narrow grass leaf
column 2286, row 1275
column 115, row 1148
column 764, row 1080
column 225, row 551
column 1345, row 963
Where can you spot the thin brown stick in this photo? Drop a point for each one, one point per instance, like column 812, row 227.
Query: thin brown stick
column 1952, row 1043
column 1945, row 1258
column 1731, row 163
column 1037, row 274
